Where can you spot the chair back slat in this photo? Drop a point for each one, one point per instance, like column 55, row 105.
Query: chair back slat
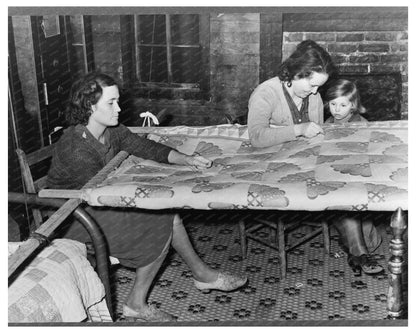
column 26, row 161
column 40, row 155
column 25, row 170
column 40, row 184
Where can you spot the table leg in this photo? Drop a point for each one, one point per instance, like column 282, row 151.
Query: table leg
column 397, row 245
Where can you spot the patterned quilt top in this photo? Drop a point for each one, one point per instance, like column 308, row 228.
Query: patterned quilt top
column 356, row 166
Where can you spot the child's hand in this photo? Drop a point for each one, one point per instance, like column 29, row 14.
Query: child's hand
column 198, row 162
column 308, row 130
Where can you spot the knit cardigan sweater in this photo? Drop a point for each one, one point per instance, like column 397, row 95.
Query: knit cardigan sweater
column 268, row 106
column 78, row 155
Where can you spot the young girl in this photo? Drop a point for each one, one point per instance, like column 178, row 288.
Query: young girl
column 357, row 238
column 344, row 103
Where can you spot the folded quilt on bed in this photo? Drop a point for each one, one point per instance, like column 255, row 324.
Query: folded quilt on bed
column 59, row 285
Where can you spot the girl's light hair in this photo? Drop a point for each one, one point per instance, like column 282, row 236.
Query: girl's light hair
column 348, row 89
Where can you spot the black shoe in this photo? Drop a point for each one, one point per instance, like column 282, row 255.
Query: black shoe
column 364, row 263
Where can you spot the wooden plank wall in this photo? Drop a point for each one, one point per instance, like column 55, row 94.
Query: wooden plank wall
column 271, row 37
column 234, row 73
column 107, row 44
column 27, row 117
column 235, row 60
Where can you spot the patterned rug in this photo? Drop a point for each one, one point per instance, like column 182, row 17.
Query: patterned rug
column 318, row 287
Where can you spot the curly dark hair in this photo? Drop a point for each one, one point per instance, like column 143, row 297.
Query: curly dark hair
column 308, row 57
column 84, row 93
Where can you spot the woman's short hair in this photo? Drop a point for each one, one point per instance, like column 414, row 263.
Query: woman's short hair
column 348, row 89
column 84, row 93
column 308, row 57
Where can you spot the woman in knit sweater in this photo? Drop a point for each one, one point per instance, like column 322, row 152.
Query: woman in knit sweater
column 291, row 99
column 137, row 239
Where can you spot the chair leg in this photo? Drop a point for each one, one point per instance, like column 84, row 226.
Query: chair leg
column 325, row 232
column 282, row 248
column 243, row 238
column 272, row 235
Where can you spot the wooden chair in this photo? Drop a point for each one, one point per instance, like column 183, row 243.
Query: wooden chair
column 43, row 155
column 279, row 225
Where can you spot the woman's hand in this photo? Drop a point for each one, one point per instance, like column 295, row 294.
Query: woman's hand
column 308, row 130
column 198, row 162
column 195, row 162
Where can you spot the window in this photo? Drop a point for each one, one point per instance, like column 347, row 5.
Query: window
column 171, row 55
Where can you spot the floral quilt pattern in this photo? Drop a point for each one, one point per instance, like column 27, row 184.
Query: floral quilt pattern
column 356, row 166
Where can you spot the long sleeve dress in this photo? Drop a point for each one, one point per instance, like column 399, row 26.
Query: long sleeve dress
column 268, row 105
column 354, row 118
column 134, row 236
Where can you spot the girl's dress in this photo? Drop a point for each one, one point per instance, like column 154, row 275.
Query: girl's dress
column 354, row 118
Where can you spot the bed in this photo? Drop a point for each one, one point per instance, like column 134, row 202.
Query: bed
column 58, row 285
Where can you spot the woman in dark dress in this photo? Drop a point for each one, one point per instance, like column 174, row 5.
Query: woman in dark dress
column 136, row 238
